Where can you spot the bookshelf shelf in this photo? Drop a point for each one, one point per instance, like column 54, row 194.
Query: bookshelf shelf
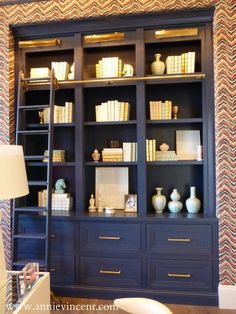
column 92, row 123
column 176, row 163
column 110, row 164
column 175, row 121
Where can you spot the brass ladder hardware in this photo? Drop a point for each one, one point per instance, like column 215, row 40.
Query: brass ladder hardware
column 179, row 240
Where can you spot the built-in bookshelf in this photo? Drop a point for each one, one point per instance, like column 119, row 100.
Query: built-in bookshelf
column 114, row 97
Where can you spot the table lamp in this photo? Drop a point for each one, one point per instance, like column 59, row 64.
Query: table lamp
column 13, row 183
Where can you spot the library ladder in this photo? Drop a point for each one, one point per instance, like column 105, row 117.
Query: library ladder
column 31, row 223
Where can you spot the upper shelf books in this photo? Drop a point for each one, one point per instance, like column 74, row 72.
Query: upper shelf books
column 109, row 67
column 184, row 63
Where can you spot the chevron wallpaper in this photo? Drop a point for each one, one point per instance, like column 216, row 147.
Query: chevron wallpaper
column 225, row 87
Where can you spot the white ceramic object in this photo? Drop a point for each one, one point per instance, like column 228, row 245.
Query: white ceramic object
column 141, row 306
column 175, row 205
column 164, row 147
column 193, row 204
column 157, row 66
column 110, row 210
column 159, row 201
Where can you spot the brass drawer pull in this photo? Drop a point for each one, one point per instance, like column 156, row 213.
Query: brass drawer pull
column 53, row 236
column 179, row 275
column 110, row 272
column 52, row 269
column 108, row 238
column 179, row 240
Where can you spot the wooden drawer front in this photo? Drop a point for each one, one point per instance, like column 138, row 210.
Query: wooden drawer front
column 110, row 272
column 179, row 275
column 110, row 239
column 63, row 237
column 179, row 239
column 62, row 269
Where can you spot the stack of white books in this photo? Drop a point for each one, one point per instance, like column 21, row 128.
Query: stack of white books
column 39, row 72
column 62, row 201
column 62, row 114
column 166, row 155
column 129, row 151
column 151, row 150
column 61, row 70
column 112, row 154
column 184, row 63
column 160, row 110
column 109, row 67
column 58, row 155
column 112, row 110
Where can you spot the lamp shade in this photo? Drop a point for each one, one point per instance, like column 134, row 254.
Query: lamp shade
column 13, row 179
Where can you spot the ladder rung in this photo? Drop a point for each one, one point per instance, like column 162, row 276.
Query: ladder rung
column 37, row 183
column 22, row 263
column 37, row 236
column 36, row 157
column 34, row 107
column 30, row 209
column 33, row 132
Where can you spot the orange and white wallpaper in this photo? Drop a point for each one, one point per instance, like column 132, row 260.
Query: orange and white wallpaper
column 225, row 95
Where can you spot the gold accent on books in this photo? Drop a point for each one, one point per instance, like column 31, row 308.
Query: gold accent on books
column 96, row 38
column 178, row 32
column 39, row 43
column 179, row 239
column 179, row 275
column 110, row 272
column 108, row 238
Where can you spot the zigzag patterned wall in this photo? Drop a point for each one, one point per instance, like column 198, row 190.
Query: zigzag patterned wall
column 225, row 86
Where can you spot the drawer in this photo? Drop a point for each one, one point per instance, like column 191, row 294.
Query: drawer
column 179, row 239
column 110, row 272
column 62, row 270
column 179, row 275
column 63, row 237
column 110, row 239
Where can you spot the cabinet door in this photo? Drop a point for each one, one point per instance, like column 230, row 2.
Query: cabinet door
column 179, row 239
column 62, row 270
column 110, row 272
column 106, row 239
column 62, row 237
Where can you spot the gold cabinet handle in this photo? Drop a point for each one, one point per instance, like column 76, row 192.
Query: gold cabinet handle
column 179, row 240
column 110, row 272
column 52, row 269
column 53, row 236
column 109, row 238
column 179, row 275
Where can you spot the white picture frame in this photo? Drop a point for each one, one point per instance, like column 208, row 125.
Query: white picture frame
column 130, row 203
column 186, row 144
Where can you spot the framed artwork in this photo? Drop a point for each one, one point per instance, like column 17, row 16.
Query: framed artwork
column 130, row 205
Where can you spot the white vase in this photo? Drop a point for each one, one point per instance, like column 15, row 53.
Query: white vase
column 193, row 204
column 157, row 67
column 175, row 205
column 159, row 201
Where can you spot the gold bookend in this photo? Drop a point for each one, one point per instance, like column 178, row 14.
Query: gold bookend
column 39, row 43
column 177, row 32
column 96, row 38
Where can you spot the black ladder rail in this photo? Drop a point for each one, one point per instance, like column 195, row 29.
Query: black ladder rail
column 21, row 139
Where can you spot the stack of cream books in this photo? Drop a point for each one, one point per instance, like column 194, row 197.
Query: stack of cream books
column 62, row 114
column 109, row 67
column 166, row 155
column 151, row 150
column 58, row 155
column 112, row 154
column 62, row 201
column 112, row 110
column 184, row 63
column 39, row 72
column 160, row 110
column 61, row 70
column 129, row 151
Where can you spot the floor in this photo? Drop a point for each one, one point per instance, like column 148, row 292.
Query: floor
column 95, row 306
